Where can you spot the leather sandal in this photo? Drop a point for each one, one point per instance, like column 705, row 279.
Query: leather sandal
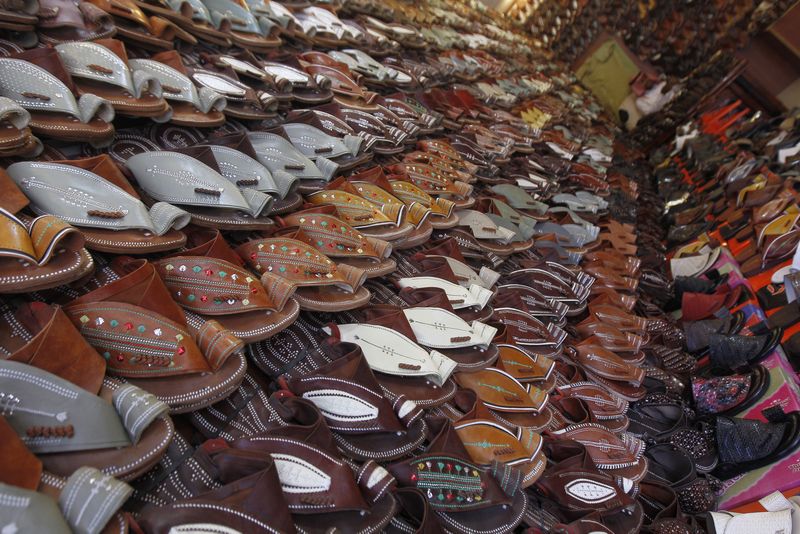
column 192, row 179
column 239, row 505
column 526, row 367
column 133, row 26
column 61, row 22
column 529, row 333
column 115, row 219
column 362, row 214
column 413, row 372
column 620, row 455
column 242, row 26
column 293, row 433
column 191, row 15
column 279, row 183
column 581, row 491
column 365, row 424
column 37, row 254
column 465, row 497
column 40, row 76
column 193, row 368
column 604, row 407
column 374, row 185
column 511, row 403
column 488, row 441
column 431, row 322
column 122, row 431
column 322, row 284
column 191, row 105
column 608, row 369
column 101, row 68
column 16, row 138
column 88, row 501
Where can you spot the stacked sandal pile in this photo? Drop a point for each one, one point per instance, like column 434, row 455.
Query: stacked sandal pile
column 288, row 267
column 731, row 212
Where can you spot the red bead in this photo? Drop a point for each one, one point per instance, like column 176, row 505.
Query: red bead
column 209, row 272
column 413, row 477
column 254, row 290
column 253, row 256
column 449, row 467
column 128, row 326
column 483, row 485
column 181, row 350
column 449, row 496
column 204, row 298
column 120, row 357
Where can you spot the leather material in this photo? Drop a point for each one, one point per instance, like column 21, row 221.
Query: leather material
column 284, row 257
column 99, row 495
column 315, row 143
column 30, row 78
column 43, row 327
column 279, row 155
column 458, row 296
column 388, row 351
column 85, row 423
column 336, row 238
column 90, row 200
column 580, row 489
column 471, row 498
column 501, row 392
column 619, row 454
column 610, row 370
column 315, row 480
column 225, row 288
column 366, row 425
column 101, row 68
column 181, row 179
column 523, row 366
column 80, row 412
column 37, row 241
column 375, row 188
column 279, row 182
column 355, row 209
column 168, row 360
column 177, row 87
column 523, row 329
column 240, row 505
column 38, row 514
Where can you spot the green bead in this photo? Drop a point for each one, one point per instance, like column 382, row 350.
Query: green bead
column 114, row 323
column 190, row 298
column 223, row 274
column 196, row 268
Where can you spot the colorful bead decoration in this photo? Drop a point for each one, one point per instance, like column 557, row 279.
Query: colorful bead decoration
column 448, row 483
